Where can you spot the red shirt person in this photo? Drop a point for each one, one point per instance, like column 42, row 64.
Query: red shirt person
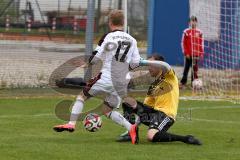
column 192, row 48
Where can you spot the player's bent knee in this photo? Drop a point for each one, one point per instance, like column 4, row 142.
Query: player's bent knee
column 130, row 102
column 151, row 133
column 149, row 136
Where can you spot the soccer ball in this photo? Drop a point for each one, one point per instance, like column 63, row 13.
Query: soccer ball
column 197, row 84
column 92, row 122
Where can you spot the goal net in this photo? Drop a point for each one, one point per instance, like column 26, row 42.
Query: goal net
column 220, row 69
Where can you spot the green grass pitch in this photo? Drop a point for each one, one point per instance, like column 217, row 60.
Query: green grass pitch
column 26, row 134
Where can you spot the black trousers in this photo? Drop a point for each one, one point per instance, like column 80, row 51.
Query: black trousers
column 189, row 62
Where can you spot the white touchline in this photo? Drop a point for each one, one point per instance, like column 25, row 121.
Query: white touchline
column 215, row 121
column 194, row 119
column 25, row 116
column 217, row 107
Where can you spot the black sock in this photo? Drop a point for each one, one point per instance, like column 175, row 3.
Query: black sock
column 168, row 137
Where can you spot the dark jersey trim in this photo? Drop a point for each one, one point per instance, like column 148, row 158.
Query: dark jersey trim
column 89, row 85
column 92, row 56
column 102, row 39
column 104, row 36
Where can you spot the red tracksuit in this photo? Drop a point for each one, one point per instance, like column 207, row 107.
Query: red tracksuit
column 192, row 48
column 192, row 42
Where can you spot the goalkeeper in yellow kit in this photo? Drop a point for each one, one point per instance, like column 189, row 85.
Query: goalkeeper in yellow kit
column 159, row 109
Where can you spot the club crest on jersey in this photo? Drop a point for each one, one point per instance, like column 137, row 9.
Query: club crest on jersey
column 110, row 46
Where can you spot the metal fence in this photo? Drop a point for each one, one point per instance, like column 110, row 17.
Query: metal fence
column 38, row 36
column 68, row 17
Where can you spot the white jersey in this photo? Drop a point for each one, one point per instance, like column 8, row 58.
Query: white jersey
column 117, row 50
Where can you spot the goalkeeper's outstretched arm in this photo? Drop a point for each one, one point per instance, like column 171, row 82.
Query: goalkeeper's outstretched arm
column 165, row 67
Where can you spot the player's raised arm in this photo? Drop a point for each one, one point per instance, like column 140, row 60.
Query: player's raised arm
column 165, row 67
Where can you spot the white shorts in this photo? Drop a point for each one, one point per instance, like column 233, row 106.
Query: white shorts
column 109, row 91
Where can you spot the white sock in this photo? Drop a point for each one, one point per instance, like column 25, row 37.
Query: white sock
column 119, row 119
column 76, row 110
column 137, row 120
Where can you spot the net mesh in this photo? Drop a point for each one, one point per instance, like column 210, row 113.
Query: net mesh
column 220, row 69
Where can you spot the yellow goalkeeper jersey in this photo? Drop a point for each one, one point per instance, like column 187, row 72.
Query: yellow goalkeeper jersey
column 163, row 94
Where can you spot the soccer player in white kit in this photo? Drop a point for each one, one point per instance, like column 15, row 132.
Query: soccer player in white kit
column 119, row 53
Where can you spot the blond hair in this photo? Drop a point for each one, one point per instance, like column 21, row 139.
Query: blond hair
column 116, row 17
